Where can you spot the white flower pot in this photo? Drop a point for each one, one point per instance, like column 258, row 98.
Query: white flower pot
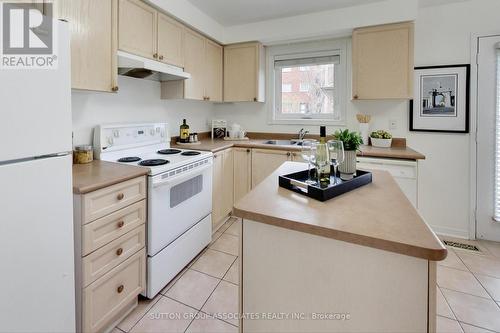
column 364, row 129
column 381, row 143
column 348, row 168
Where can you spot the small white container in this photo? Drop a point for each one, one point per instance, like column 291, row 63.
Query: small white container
column 381, row 143
column 364, row 128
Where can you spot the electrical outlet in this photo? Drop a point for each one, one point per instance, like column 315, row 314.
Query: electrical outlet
column 393, row 124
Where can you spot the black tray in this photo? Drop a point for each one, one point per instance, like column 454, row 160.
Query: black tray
column 296, row 182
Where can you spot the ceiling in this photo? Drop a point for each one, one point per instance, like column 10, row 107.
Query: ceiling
column 234, row 12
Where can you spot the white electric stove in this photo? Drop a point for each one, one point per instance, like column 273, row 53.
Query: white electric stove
column 179, row 221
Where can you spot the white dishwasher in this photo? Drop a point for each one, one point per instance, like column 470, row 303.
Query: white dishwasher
column 405, row 172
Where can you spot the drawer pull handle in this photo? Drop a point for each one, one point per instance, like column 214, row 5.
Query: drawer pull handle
column 120, row 196
column 120, row 289
column 119, row 251
column 120, row 224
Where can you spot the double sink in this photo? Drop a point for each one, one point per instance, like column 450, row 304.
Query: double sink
column 293, row 142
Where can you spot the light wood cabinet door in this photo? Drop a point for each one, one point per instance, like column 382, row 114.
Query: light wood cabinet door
column 265, row 161
column 217, row 198
column 244, row 73
column 170, row 41
column 93, row 43
column 194, row 64
column 242, row 172
column 213, row 71
column 137, row 23
column 227, row 182
column 382, row 62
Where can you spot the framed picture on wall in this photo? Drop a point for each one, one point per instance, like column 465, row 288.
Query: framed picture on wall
column 441, row 99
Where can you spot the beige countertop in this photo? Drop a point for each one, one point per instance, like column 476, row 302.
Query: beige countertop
column 99, row 174
column 377, row 215
column 366, row 151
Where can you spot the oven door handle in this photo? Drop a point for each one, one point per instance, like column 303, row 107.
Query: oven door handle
column 172, row 181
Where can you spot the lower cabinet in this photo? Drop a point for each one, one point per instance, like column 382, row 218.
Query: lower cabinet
column 223, row 187
column 242, row 172
column 265, row 161
column 110, row 255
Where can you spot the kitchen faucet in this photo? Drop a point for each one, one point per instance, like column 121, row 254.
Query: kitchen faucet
column 302, row 134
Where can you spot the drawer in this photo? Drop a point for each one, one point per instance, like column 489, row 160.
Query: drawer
column 104, row 299
column 112, row 226
column 106, row 258
column 107, row 200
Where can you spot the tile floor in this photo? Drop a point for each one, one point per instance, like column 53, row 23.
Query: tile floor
column 196, row 299
column 468, row 291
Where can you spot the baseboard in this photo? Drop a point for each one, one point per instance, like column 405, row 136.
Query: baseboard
column 451, row 232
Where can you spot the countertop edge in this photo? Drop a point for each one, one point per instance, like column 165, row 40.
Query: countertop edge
column 98, row 186
column 377, row 243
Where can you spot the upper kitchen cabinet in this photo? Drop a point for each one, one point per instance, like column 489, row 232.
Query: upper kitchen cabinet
column 93, row 43
column 244, row 73
column 137, row 28
column 203, row 60
column 382, row 62
column 170, row 41
column 194, row 64
column 213, row 71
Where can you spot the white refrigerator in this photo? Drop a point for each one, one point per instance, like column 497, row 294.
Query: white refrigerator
column 37, row 289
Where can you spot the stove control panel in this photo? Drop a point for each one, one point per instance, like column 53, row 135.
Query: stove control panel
column 124, row 136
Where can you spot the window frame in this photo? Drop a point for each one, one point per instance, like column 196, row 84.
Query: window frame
column 305, row 50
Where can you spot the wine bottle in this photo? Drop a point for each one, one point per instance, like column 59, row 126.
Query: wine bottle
column 322, row 159
column 184, row 132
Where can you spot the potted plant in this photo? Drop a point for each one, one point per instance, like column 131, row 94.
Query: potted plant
column 351, row 141
column 381, row 139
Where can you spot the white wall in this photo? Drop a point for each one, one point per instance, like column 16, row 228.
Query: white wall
column 442, row 36
column 137, row 101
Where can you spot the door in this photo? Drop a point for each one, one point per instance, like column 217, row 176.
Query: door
column 170, row 41
column 217, row 197
column 213, row 73
column 242, row 172
column 265, row 161
column 383, row 62
column 177, row 203
column 194, row 64
column 36, row 233
column 241, row 72
column 36, row 105
column 93, row 57
column 227, row 182
column 488, row 125
column 137, row 28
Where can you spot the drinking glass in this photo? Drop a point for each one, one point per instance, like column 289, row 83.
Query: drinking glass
column 307, row 155
column 336, row 149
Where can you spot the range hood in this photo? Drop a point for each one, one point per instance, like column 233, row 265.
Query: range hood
column 143, row 68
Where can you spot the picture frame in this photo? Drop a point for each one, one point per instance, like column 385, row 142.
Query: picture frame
column 441, row 99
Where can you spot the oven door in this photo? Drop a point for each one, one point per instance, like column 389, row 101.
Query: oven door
column 177, row 203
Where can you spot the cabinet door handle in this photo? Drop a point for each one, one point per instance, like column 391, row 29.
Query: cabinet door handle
column 155, row 55
column 288, row 154
column 248, row 150
column 120, row 224
column 255, row 99
column 119, row 251
column 120, row 196
column 355, row 96
column 161, row 57
column 208, row 98
column 120, row 289
column 114, row 89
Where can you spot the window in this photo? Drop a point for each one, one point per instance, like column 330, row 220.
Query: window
column 308, row 94
column 286, row 87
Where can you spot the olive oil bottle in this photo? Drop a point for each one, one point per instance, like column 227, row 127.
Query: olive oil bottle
column 323, row 159
column 184, row 132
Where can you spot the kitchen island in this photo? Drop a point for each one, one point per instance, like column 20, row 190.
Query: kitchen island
column 364, row 261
